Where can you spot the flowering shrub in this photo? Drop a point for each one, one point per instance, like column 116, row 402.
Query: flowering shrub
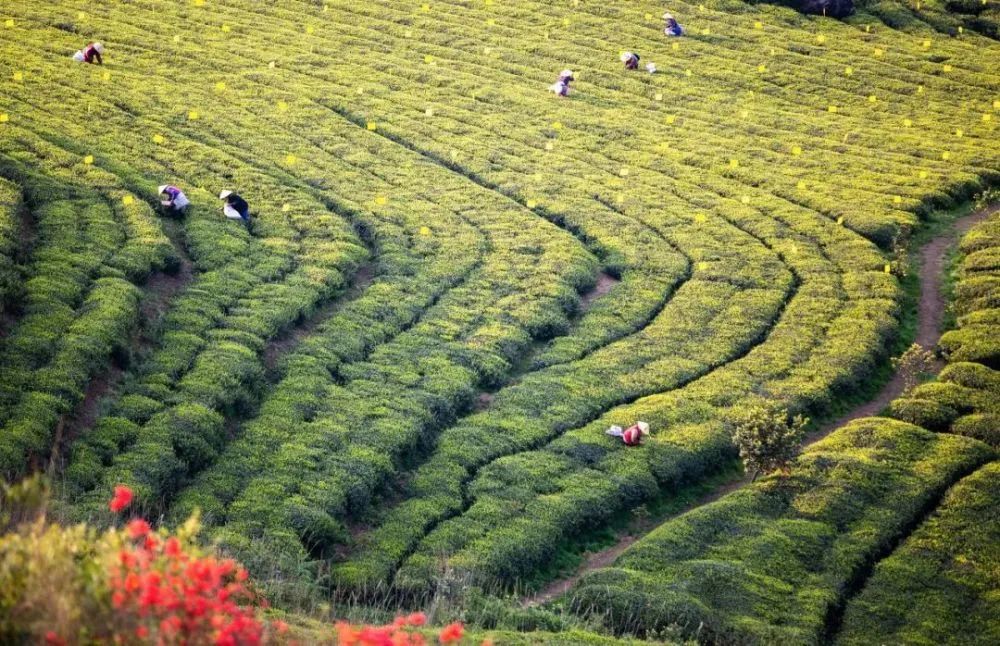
column 129, row 585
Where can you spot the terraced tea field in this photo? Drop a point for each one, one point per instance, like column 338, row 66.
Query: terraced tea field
column 392, row 388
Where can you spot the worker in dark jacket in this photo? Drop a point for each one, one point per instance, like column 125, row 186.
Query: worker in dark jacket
column 90, row 54
column 235, row 208
column 672, row 28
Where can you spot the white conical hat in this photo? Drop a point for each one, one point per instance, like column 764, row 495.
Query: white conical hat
column 162, row 188
column 565, row 73
column 625, row 56
column 224, row 194
column 99, row 47
column 667, row 16
column 643, row 427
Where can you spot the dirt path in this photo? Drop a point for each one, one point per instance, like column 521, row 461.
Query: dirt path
column 158, row 293
column 930, row 315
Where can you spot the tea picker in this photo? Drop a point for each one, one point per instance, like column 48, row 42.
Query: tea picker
column 630, row 60
column 561, row 87
column 90, row 54
column 235, row 208
column 673, row 28
column 176, row 202
column 631, row 436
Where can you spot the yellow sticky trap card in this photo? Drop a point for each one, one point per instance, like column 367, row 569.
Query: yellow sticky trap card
column 128, row 200
column 226, row 29
column 425, row 231
column 371, row 125
column 177, row 38
column 796, row 150
column 758, row 25
column 848, row 70
column 429, row 112
column 700, row 218
column 926, row 44
column 959, row 132
column 428, row 59
column 658, row 96
column 282, row 106
column 920, row 89
column 907, row 123
column 702, row 265
column 18, row 76
column 158, row 139
column 897, row 199
column 688, row 73
column 549, row 145
column 624, row 172
column 286, row 207
column 821, row 39
column 291, row 160
column 193, row 115
column 531, row 204
column 946, row 155
column 675, row 46
column 670, row 119
column 947, row 68
column 381, row 200
column 425, row 8
column 800, row 185
column 887, row 269
column 832, row 108
column 88, row 160
column 220, row 86
column 706, row 31
column 557, row 125
column 9, row 22
column 996, row 104
column 923, row 174
column 762, row 68
column 649, row 16
column 879, row 52
column 4, row 118
column 310, row 29
column 987, row 117
column 734, row 163
column 271, row 65
column 872, row 98
column 840, row 220
column 745, row 199
column 81, row 15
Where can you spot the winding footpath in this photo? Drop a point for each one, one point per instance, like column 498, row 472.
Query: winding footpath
column 931, row 309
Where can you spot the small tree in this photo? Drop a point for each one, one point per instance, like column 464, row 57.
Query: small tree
column 767, row 437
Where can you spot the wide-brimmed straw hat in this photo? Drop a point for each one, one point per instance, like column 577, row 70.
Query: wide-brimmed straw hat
column 643, row 427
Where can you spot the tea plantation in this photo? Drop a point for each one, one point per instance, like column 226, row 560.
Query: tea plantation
column 390, row 390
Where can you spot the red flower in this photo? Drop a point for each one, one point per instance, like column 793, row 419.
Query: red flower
column 280, row 627
column 52, row 638
column 173, row 547
column 121, row 499
column 451, row 633
column 138, row 528
column 142, row 632
column 416, row 619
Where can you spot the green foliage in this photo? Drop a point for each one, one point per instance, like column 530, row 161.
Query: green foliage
column 768, row 563
column 939, row 586
column 767, row 437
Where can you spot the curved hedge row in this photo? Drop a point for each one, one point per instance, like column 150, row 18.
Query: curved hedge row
column 770, row 562
column 965, row 398
column 939, row 586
